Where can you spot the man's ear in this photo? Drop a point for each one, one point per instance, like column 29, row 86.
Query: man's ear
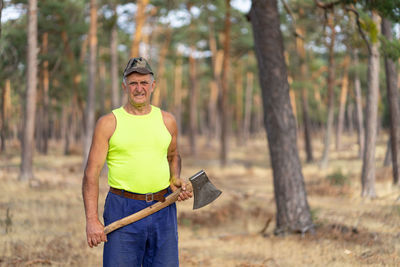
column 123, row 86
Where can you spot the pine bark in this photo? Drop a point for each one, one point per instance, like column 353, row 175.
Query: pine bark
column 26, row 168
column 293, row 213
column 368, row 168
column 393, row 99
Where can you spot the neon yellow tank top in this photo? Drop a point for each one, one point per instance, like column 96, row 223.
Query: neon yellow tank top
column 137, row 154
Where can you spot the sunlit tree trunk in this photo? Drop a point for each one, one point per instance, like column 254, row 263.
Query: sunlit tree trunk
column 159, row 95
column 331, row 94
column 115, row 82
column 139, row 23
column 393, row 99
column 30, row 97
column 90, row 103
column 368, row 167
column 215, row 86
column 5, row 112
column 342, row 103
column 293, row 213
column 225, row 85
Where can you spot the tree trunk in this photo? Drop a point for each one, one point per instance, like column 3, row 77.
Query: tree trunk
column 247, row 106
column 115, row 87
column 239, row 104
column 178, row 93
column 192, row 101
column 359, row 108
column 368, row 168
column 5, row 113
column 342, row 104
column 331, row 93
column 225, row 84
column 30, row 100
column 1, row 9
column 293, row 213
column 393, row 99
column 90, row 103
column 140, row 20
column 301, row 51
column 44, row 135
column 217, row 56
column 159, row 95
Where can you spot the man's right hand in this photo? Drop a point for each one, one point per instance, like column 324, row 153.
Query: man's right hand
column 95, row 232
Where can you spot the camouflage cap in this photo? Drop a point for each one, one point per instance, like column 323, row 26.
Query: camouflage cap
column 137, row 64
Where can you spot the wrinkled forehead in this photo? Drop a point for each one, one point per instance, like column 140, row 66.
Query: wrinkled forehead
column 138, row 77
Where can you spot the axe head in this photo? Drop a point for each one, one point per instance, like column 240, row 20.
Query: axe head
column 204, row 191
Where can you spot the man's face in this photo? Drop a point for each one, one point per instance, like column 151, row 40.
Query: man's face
column 138, row 88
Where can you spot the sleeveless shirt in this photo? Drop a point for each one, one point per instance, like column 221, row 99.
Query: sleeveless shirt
column 137, row 153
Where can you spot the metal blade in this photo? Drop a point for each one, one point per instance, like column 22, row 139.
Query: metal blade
column 204, row 191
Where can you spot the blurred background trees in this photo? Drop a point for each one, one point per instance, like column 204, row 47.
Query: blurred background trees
column 204, row 58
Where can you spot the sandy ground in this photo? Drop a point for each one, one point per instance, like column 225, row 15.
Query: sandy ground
column 42, row 223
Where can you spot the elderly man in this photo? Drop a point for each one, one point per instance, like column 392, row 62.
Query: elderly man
column 139, row 142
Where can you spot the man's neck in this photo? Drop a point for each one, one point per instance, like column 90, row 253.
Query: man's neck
column 137, row 109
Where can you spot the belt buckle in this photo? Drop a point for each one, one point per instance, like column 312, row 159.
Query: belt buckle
column 149, row 199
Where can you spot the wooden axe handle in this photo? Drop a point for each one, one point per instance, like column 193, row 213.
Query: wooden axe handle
column 143, row 213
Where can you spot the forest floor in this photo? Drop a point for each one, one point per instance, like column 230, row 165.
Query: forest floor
column 43, row 223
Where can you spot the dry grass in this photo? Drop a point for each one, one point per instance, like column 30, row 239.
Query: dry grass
column 43, row 224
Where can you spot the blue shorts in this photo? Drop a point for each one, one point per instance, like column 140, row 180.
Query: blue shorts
column 151, row 241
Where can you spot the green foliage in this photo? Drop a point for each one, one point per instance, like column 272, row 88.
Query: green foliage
column 337, row 178
column 390, row 48
column 368, row 25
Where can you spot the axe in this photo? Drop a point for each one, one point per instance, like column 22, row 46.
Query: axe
column 204, row 193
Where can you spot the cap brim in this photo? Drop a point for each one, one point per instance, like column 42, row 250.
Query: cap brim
column 138, row 70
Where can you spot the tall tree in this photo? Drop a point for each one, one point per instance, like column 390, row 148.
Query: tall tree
column 140, row 20
column 393, row 99
column 225, row 84
column 90, row 104
column 5, row 113
column 26, row 170
column 1, row 9
column 293, row 212
column 331, row 89
column 342, row 102
column 359, row 108
column 115, row 92
column 368, row 167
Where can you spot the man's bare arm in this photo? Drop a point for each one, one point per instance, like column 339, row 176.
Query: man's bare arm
column 90, row 184
column 174, row 158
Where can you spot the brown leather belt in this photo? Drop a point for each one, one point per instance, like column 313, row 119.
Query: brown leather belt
column 159, row 196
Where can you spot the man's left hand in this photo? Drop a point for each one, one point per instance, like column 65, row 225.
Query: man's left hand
column 187, row 189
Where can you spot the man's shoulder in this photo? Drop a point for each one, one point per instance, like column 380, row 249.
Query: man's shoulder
column 106, row 124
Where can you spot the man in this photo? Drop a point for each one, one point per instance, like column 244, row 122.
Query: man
column 139, row 142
